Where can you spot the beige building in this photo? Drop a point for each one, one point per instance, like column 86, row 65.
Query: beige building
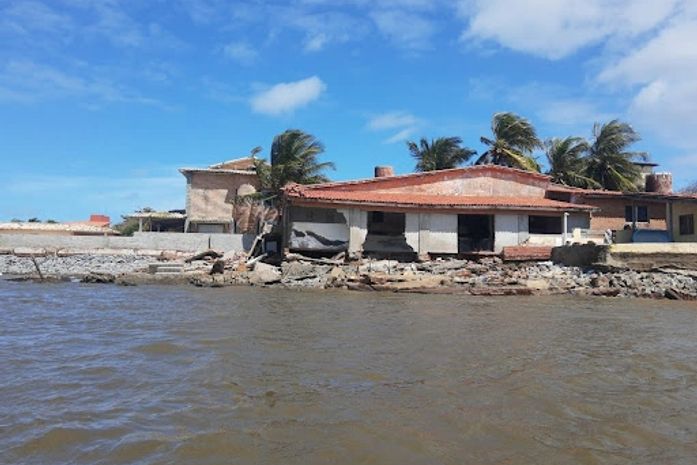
column 211, row 193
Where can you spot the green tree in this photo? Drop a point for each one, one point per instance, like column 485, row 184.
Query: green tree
column 294, row 158
column 439, row 154
column 609, row 163
column 567, row 162
column 514, row 140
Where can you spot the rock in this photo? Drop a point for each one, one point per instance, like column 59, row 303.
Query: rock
column 298, row 270
column 218, row 267
column 537, row 284
column 672, row 294
column 98, row 278
column 264, row 274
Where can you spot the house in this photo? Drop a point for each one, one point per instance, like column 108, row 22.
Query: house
column 655, row 214
column 480, row 209
column 211, row 194
column 96, row 225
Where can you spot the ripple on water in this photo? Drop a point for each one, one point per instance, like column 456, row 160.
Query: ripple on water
column 159, row 348
column 265, row 376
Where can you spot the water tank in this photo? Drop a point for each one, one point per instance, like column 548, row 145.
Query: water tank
column 660, row 183
column 383, row 171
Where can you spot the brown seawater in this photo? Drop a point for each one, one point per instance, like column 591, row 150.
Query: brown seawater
column 178, row 375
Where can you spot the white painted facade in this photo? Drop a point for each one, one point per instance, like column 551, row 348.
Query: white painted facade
column 437, row 233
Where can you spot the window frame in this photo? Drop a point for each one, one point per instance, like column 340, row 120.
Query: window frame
column 688, row 228
column 629, row 214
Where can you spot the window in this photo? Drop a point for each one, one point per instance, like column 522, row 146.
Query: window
column 642, row 212
column 545, row 225
column 687, row 225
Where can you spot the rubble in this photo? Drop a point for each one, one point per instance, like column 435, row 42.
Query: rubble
column 488, row 276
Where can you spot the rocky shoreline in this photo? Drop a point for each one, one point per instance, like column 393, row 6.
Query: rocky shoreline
column 489, row 276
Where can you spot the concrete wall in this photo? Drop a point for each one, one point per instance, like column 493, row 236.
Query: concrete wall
column 358, row 228
column 305, row 236
column 683, row 209
column 140, row 241
column 412, row 230
column 475, row 185
column 210, row 196
column 508, row 231
column 440, row 233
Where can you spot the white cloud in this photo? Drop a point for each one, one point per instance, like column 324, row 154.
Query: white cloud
column 404, row 123
column 241, row 52
column 392, row 120
column 25, row 17
column 28, row 82
column 288, row 96
column 401, row 136
column 662, row 74
column 556, row 28
column 406, row 29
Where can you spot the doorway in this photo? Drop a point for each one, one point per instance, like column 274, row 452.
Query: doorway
column 475, row 233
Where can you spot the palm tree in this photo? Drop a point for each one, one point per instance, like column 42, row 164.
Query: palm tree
column 440, row 154
column 567, row 162
column 294, row 158
column 609, row 162
column 514, row 140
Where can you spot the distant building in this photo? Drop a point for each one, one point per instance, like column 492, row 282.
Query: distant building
column 211, row 193
column 97, row 225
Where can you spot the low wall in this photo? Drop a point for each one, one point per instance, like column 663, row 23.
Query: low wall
column 580, row 254
column 635, row 256
column 189, row 242
column 649, row 256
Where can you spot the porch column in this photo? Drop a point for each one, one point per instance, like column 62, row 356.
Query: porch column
column 669, row 221
column 635, row 216
column 358, row 230
column 565, row 228
column 140, row 224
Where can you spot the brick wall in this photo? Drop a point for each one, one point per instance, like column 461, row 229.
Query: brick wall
column 611, row 214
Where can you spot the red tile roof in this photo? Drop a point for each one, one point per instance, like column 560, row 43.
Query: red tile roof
column 430, row 201
column 429, row 176
column 598, row 193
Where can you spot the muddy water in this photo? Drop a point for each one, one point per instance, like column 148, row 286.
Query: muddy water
column 150, row 375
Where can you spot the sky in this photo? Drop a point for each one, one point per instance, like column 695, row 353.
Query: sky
column 101, row 101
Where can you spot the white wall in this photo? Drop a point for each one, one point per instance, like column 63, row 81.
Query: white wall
column 508, row 231
column 441, row 233
column 334, row 236
column 184, row 242
column 358, row 229
column 412, row 229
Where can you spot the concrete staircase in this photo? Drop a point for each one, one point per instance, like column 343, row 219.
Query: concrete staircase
column 166, row 268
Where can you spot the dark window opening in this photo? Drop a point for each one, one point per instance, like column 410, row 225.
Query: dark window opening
column 475, row 233
column 687, row 225
column 642, row 214
column 386, row 223
column 545, row 225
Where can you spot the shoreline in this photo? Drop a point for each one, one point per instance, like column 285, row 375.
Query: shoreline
column 486, row 277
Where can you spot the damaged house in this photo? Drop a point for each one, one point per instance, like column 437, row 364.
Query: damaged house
column 213, row 193
column 473, row 210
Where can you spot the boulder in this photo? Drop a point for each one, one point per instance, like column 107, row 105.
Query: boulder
column 98, row 278
column 298, row 271
column 264, row 274
column 537, row 284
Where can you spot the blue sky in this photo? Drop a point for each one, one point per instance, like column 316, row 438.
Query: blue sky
column 101, row 101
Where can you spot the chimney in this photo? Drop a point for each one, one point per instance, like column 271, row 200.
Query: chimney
column 383, row 171
column 660, row 183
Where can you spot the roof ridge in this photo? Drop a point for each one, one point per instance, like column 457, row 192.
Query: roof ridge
column 425, row 174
